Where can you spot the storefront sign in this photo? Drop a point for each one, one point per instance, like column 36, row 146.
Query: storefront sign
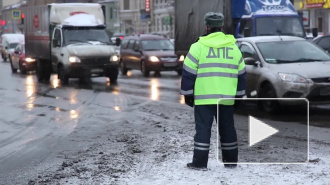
column 147, row 6
column 317, row 3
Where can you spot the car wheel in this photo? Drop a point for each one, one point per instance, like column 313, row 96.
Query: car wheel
column 62, row 76
column 268, row 91
column 113, row 76
column 123, row 68
column 12, row 68
column 21, row 68
column 144, row 69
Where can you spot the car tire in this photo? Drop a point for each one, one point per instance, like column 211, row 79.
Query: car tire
column 268, row 91
column 62, row 76
column 144, row 69
column 123, row 68
column 113, row 76
column 21, row 68
column 13, row 70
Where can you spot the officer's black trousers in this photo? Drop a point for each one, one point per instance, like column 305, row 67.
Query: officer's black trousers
column 204, row 116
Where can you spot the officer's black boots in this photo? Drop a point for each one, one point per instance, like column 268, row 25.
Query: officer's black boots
column 200, row 160
column 230, row 156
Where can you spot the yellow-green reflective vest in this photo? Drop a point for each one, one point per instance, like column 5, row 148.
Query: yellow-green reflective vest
column 217, row 61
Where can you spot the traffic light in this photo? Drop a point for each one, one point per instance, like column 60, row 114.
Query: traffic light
column 2, row 22
column 22, row 18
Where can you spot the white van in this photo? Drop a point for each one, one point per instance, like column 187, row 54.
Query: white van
column 9, row 41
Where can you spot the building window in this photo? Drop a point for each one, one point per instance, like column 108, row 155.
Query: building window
column 126, row 4
column 111, row 13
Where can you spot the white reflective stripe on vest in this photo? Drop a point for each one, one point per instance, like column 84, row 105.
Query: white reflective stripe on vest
column 220, row 65
column 193, row 59
column 212, row 96
column 217, row 74
column 186, row 92
column 192, row 71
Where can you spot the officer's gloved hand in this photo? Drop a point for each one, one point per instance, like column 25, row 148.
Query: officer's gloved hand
column 189, row 100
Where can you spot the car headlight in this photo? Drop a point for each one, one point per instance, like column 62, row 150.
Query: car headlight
column 181, row 59
column 114, row 58
column 292, row 78
column 74, row 59
column 153, row 59
column 28, row 59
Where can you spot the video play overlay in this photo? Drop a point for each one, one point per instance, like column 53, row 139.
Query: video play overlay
column 271, row 136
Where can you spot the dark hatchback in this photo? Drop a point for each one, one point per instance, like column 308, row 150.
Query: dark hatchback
column 148, row 53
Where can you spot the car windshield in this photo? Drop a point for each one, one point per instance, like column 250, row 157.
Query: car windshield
column 149, row 45
column 85, row 35
column 291, row 52
column 279, row 26
column 13, row 45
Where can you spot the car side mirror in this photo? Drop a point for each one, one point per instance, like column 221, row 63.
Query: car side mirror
column 251, row 61
column 118, row 41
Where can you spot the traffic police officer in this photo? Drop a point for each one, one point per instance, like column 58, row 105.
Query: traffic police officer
column 213, row 69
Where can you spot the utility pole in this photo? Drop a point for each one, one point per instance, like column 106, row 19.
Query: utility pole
column 227, row 6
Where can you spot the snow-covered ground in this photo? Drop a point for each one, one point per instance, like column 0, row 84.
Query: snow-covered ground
column 150, row 142
column 138, row 132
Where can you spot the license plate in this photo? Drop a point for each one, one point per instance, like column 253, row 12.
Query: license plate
column 172, row 64
column 97, row 70
column 325, row 91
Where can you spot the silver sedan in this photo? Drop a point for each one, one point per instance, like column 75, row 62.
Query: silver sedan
column 285, row 67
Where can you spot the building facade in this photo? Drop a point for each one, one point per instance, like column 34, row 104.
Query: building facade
column 163, row 11
column 315, row 14
column 111, row 11
column 133, row 17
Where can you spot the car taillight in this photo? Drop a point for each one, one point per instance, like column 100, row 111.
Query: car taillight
column 121, row 37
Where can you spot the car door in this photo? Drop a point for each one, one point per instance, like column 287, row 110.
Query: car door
column 253, row 71
column 129, row 54
column 324, row 43
column 15, row 56
column 136, row 55
column 56, row 48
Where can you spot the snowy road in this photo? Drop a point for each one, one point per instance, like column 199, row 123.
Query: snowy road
column 136, row 132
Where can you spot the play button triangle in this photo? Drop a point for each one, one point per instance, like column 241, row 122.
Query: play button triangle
column 259, row 131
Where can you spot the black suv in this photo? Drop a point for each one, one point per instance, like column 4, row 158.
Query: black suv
column 148, row 53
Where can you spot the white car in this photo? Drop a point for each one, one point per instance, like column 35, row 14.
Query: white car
column 285, row 67
column 9, row 41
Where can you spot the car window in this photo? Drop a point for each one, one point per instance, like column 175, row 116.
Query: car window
column 131, row 44
column 245, row 24
column 18, row 48
column 247, row 51
column 149, row 45
column 57, row 36
column 13, row 45
column 137, row 46
column 324, row 43
column 291, row 52
column 124, row 43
